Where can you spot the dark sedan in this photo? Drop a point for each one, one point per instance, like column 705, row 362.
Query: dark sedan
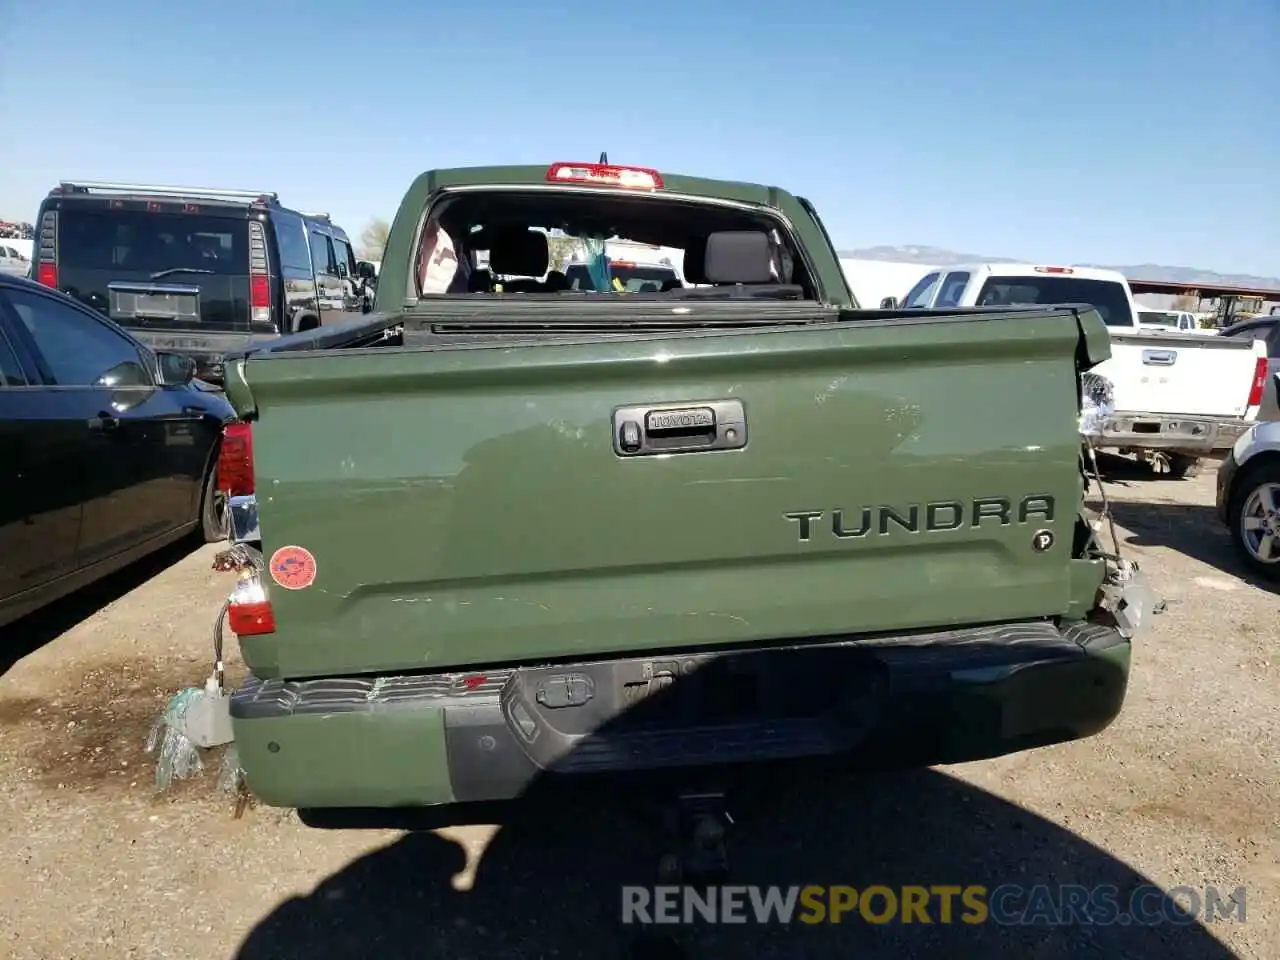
column 107, row 448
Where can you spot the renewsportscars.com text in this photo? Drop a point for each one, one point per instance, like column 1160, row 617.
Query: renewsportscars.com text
column 1007, row 905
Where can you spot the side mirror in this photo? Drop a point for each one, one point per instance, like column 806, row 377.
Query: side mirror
column 130, row 373
column 365, row 271
column 176, row 369
column 889, row 303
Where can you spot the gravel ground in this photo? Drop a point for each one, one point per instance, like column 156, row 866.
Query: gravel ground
column 1180, row 790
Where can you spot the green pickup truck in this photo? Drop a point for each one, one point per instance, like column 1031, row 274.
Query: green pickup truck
column 501, row 530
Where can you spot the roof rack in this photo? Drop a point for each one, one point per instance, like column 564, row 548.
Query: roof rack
column 316, row 216
column 98, row 186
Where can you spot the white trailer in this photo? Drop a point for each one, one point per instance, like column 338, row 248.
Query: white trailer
column 873, row 280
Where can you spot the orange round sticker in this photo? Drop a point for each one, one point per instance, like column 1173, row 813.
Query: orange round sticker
column 293, row 567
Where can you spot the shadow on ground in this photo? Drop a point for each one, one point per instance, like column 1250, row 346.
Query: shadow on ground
column 33, row 631
column 1127, row 471
column 1191, row 529
column 549, row 884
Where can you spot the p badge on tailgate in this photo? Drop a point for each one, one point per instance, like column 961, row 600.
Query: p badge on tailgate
column 693, row 427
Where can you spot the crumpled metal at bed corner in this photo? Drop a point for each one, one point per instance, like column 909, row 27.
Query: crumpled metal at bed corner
column 1097, row 403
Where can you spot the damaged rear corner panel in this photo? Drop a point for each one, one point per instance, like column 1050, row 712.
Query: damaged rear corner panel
column 1095, row 337
column 237, row 388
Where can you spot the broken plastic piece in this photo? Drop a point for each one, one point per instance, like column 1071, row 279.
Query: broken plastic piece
column 179, row 757
column 231, row 776
column 1126, row 598
column 1097, row 404
column 231, row 780
column 207, row 720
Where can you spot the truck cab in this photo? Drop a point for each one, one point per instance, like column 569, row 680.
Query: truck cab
column 1008, row 284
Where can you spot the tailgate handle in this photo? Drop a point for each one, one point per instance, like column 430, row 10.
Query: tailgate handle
column 1159, row 358
column 692, row 427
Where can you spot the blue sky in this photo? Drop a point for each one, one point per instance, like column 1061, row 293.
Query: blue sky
column 1115, row 132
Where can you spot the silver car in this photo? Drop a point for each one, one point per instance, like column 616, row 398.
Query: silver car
column 1249, row 496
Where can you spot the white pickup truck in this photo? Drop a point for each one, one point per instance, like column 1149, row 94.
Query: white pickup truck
column 1177, row 395
column 1172, row 321
column 13, row 260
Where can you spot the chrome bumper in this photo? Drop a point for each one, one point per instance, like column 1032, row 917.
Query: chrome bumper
column 1163, row 432
column 242, row 520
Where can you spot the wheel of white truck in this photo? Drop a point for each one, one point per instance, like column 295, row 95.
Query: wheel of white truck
column 213, row 508
column 1255, row 519
column 1183, row 467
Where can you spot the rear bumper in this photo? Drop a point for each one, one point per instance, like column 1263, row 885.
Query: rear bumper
column 1153, row 431
column 412, row 741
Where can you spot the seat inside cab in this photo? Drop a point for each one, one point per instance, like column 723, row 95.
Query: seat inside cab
column 506, row 242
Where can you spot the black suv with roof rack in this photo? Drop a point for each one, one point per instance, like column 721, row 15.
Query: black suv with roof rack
column 198, row 271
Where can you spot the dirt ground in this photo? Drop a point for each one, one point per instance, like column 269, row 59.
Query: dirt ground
column 1180, row 790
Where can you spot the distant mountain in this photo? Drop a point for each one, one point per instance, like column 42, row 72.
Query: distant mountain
column 1143, row 271
column 912, row 254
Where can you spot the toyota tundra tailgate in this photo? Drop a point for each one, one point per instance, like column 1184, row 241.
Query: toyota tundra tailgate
column 425, row 508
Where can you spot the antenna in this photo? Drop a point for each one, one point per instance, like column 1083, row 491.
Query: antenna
column 604, row 158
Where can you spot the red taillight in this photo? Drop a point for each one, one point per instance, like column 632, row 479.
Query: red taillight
column 235, row 460
column 259, row 275
column 1054, row 270
column 259, row 291
column 605, row 174
column 45, row 250
column 251, row 619
column 1259, row 382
